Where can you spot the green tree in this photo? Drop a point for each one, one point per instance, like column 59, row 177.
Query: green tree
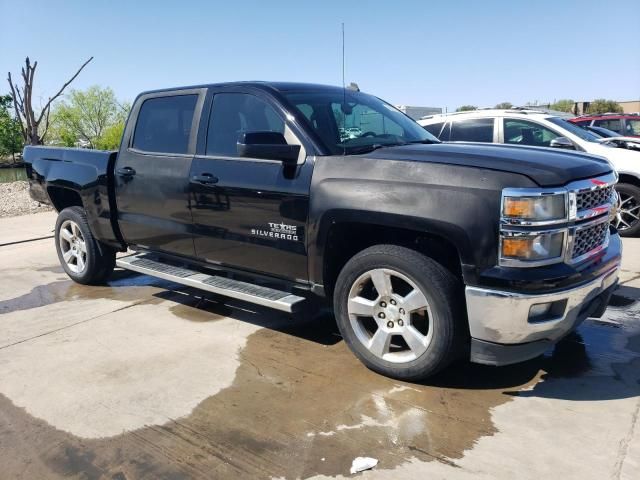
column 466, row 108
column 601, row 105
column 93, row 116
column 504, row 105
column 111, row 137
column 11, row 141
column 60, row 134
column 563, row 105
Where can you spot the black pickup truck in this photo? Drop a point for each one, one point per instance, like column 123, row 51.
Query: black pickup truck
column 281, row 193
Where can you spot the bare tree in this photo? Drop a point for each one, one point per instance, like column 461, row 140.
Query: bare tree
column 32, row 133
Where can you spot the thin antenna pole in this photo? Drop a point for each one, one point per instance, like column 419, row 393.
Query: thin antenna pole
column 343, row 82
column 344, row 93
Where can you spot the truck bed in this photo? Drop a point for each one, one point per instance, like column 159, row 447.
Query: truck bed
column 60, row 176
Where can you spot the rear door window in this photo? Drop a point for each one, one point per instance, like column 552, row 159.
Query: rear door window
column 164, row 124
column 614, row 124
column 472, row 130
column 524, row 132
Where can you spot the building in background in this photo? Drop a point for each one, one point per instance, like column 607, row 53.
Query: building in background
column 418, row 112
column 631, row 106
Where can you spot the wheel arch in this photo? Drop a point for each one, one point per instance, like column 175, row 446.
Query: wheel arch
column 62, row 197
column 625, row 177
column 342, row 234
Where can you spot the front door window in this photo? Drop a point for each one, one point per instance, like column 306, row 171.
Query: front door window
column 524, row 132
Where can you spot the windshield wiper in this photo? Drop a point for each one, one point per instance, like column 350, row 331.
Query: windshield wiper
column 426, row 141
column 376, row 146
column 370, row 148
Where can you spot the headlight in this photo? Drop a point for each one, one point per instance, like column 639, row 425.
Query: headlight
column 539, row 208
column 533, row 228
column 537, row 247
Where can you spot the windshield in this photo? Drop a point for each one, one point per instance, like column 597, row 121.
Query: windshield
column 575, row 129
column 353, row 122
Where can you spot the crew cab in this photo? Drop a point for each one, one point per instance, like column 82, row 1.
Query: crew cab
column 428, row 252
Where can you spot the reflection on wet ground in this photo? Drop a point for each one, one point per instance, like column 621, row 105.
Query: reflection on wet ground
column 301, row 404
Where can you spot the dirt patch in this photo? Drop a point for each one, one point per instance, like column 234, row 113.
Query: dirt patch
column 15, row 200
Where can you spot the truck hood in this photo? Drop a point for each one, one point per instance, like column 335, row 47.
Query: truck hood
column 545, row 166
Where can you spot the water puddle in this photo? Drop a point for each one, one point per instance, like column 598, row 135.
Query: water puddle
column 301, row 404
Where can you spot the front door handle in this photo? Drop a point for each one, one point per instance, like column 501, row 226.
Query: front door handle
column 126, row 172
column 204, row 179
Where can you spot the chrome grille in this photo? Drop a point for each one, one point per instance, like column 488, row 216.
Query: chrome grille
column 593, row 198
column 588, row 238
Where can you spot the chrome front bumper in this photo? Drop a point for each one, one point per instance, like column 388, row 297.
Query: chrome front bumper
column 503, row 318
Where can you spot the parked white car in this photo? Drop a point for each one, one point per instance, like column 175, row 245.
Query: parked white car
column 539, row 129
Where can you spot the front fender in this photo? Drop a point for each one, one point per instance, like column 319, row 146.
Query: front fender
column 460, row 204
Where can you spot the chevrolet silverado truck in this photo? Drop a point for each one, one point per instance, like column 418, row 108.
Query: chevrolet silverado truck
column 427, row 252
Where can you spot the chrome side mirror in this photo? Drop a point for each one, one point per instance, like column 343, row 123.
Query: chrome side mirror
column 562, row 142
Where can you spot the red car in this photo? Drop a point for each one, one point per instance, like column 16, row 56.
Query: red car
column 626, row 124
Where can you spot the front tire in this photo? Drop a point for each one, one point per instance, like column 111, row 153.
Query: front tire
column 400, row 312
column 84, row 259
column 627, row 219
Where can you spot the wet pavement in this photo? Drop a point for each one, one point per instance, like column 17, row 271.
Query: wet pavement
column 147, row 379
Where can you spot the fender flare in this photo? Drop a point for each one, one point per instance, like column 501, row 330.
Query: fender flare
column 447, row 232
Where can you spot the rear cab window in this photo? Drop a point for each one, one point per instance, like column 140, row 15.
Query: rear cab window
column 164, row 124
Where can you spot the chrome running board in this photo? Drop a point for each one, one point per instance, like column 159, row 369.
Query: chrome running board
column 228, row 287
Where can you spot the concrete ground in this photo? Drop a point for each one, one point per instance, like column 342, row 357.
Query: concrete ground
column 145, row 379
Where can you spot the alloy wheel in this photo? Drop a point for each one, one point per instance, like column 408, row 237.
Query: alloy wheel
column 628, row 213
column 73, row 246
column 390, row 315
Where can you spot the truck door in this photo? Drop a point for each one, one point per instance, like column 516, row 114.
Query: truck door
column 152, row 171
column 249, row 213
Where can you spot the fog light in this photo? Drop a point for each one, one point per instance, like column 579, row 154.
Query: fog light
column 543, row 312
column 539, row 310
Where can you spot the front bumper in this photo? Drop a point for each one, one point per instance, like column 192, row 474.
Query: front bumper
column 503, row 330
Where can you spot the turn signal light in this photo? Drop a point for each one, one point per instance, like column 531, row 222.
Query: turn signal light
column 518, row 207
column 516, row 247
column 537, row 209
column 535, row 247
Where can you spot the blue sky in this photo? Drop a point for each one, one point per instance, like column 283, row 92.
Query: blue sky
column 431, row 53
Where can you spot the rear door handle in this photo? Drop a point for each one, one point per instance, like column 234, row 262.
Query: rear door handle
column 204, row 179
column 126, row 172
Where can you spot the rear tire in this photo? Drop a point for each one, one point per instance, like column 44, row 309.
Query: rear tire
column 84, row 259
column 627, row 220
column 400, row 312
